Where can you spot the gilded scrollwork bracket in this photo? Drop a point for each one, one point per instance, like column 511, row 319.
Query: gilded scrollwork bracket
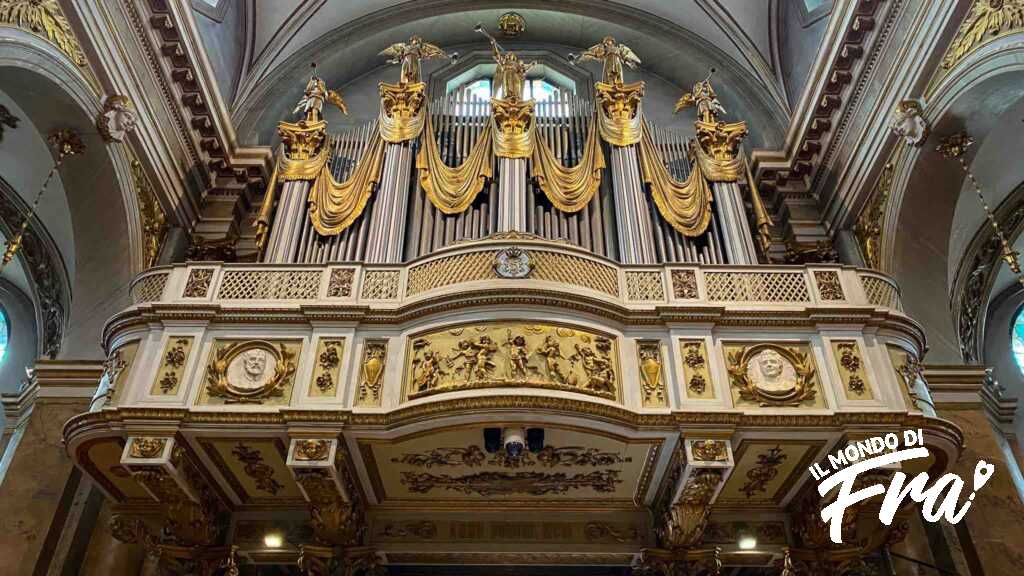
column 193, row 514
column 320, row 468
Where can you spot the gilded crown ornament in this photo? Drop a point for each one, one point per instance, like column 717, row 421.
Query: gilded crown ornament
column 511, row 24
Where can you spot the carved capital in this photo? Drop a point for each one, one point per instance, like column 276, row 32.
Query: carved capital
column 721, row 140
column 302, row 141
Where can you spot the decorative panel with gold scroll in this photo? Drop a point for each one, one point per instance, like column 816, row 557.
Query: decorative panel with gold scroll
column 765, row 472
column 255, row 468
column 451, row 466
column 116, row 368
column 766, row 374
column 172, row 366
column 852, row 371
column 250, row 372
column 696, row 370
column 512, row 354
column 327, row 368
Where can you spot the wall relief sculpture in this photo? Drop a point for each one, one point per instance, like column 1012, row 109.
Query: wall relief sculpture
column 512, row 354
column 250, row 371
column 772, row 375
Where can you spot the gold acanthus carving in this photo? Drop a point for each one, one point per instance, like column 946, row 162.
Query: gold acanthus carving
column 684, row 521
column 194, row 518
column 868, row 228
column 255, row 467
column 695, row 369
column 512, row 354
column 171, row 371
column 401, row 111
column 709, row 450
column 147, row 447
column 649, row 356
column 549, row 457
column 249, row 371
column 506, row 483
column 987, row 20
column 765, row 471
column 513, row 127
column 371, row 381
column 684, row 284
column 154, row 223
column 772, row 375
column 312, row 450
column 849, row 360
column 46, row 19
column 335, row 521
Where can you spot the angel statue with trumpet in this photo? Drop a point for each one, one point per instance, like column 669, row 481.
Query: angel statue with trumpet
column 409, row 54
column 704, row 98
column 511, row 71
column 312, row 103
column 613, row 54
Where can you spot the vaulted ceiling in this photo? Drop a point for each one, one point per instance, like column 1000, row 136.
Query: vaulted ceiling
column 261, row 50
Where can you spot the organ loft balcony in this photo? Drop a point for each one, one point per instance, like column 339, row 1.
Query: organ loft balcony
column 524, row 328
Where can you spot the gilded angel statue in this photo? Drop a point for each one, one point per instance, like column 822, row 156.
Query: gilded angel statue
column 312, row 103
column 511, row 72
column 409, row 54
column 613, row 55
column 704, row 98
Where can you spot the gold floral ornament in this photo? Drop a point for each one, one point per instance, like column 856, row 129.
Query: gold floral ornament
column 772, row 375
column 146, row 447
column 402, row 110
column 250, row 371
column 620, row 114
column 987, row 20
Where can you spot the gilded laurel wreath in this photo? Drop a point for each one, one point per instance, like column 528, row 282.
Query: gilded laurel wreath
column 772, row 375
column 250, row 371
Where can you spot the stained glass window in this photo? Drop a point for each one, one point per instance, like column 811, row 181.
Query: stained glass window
column 1017, row 339
column 4, row 333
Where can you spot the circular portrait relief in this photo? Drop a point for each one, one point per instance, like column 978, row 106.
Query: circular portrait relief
column 251, row 370
column 771, row 373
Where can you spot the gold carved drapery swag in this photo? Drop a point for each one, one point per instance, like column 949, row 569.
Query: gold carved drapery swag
column 569, row 189
column 620, row 112
column 685, row 205
column 402, row 111
column 452, row 190
column 333, row 206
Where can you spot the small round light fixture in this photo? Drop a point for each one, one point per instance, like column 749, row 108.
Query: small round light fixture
column 273, row 540
column 747, row 542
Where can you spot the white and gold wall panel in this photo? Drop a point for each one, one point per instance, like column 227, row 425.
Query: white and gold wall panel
column 242, row 371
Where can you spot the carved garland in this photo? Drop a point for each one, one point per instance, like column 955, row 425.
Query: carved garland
column 220, row 386
column 801, row 390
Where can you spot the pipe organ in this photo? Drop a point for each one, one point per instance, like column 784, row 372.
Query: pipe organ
column 508, row 165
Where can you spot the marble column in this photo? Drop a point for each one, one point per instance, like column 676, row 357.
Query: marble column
column 512, row 194
column 739, row 242
column 289, row 219
column 992, row 531
column 635, row 230
column 44, row 499
column 387, row 232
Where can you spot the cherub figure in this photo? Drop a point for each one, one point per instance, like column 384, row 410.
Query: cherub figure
column 429, row 370
column 511, row 71
column 518, row 357
column 551, row 350
column 476, row 357
column 312, row 103
column 600, row 376
column 613, row 55
column 409, row 54
column 704, row 98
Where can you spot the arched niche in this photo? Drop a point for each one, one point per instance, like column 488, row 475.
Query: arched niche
column 105, row 229
column 933, row 211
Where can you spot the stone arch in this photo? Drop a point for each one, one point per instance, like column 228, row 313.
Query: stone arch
column 932, row 216
column 55, row 93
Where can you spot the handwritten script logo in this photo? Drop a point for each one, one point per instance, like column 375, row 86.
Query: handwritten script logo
column 847, row 464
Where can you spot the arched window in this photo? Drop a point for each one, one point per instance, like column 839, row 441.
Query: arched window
column 1017, row 339
column 537, row 89
column 4, row 333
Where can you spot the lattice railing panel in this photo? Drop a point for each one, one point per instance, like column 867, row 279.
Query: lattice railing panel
column 568, row 269
column 644, row 286
column 881, row 292
column 450, row 270
column 380, row 285
column 270, row 285
column 756, row 287
column 149, row 289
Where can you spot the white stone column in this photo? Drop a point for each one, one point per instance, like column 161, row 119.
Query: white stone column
column 739, row 243
column 289, row 219
column 387, row 231
column 511, row 194
column 633, row 216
